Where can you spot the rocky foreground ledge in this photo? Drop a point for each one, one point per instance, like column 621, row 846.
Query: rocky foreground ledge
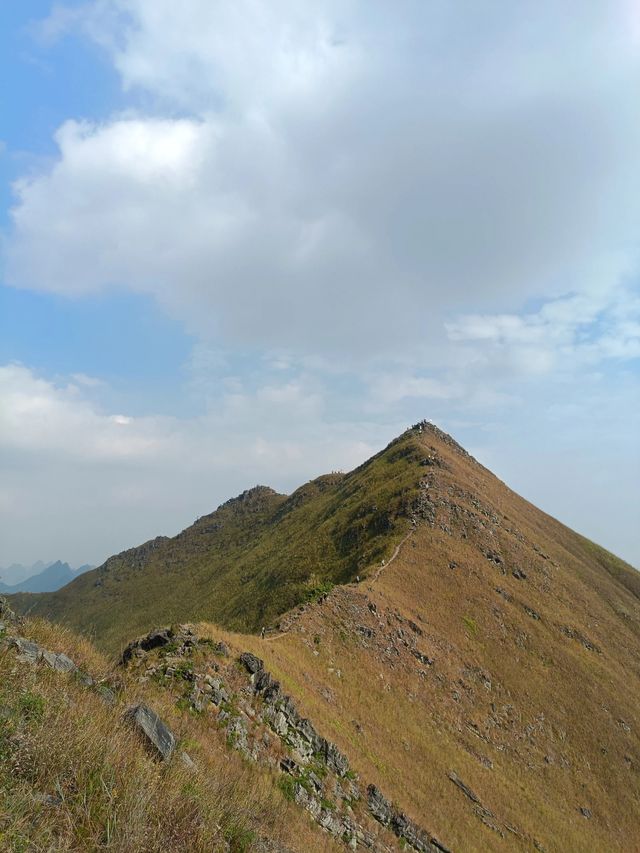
column 262, row 722
column 255, row 717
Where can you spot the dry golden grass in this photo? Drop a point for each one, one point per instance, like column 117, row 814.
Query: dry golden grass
column 531, row 699
column 538, row 724
column 75, row 777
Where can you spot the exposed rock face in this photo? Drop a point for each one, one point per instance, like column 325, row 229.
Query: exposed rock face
column 399, row 823
column 158, row 736
column 28, row 651
column 156, row 639
column 252, row 663
column 264, row 725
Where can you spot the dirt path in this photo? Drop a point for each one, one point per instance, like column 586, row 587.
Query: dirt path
column 391, row 558
column 369, row 580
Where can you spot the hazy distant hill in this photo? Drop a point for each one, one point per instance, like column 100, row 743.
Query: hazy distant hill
column 16, row 572
column 47, row 577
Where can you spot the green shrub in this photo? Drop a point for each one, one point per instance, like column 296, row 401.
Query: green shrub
column 288, row 787
column 31, row 706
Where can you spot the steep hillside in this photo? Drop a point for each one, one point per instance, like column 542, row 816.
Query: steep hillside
column 478, row 686
column 255, row 557
column 78, row 773
column 487, row 678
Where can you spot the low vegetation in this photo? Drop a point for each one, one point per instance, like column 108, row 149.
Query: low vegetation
column 256, row 557
column 486, row 680
column 75, row 777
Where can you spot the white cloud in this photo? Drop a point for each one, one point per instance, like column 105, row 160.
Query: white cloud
column 77, row 472
column 339, row 182
column 39, row 417
column 422, row 209
column 390, row 389
column 564, row 335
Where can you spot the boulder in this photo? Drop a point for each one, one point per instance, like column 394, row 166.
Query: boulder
column 335, row 760
column 106, row 694
column 153, row 640
column 157, row 735
column 253, row 664
column 265, row 684
column 424, row 659
column 59, row 662
column 28, row 651
column 379, row 806
column 399, row 823
column 280, row 724
column 187, row 761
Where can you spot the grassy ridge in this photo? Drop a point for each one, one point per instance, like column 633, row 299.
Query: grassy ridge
column 254, row 558
column 75, row 777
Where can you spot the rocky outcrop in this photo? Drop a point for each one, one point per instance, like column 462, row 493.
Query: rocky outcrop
column 263, row 723
column 252, row 663
column 385, row 813
column 158, row 737
column 30, row 652
column 155, row 639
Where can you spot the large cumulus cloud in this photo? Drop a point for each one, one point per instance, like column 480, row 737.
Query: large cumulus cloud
column 344, row 177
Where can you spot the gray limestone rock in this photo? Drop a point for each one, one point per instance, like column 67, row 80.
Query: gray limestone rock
column 158, row 736
column 59, row 662
column 28, row 651
column 253, row 664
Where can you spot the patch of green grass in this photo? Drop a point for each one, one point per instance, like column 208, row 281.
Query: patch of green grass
column 239, row 837
column 318, row 590
column 31, row 706
column 287, row 785
column 184, row 670
column 471, row 625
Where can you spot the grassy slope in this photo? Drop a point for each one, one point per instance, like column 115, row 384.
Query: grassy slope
column 74, row 777
column 532, row 696
column 535, row 721
column 254, row 558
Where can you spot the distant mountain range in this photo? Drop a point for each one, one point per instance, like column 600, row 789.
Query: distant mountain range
column 40, row 577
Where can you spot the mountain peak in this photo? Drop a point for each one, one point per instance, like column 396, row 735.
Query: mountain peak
column 255, row 493
column 419, row 598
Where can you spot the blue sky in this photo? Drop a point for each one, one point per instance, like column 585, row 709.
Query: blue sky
column 251, row 244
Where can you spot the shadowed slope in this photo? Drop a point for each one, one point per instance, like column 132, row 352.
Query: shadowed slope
column 254, row 558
